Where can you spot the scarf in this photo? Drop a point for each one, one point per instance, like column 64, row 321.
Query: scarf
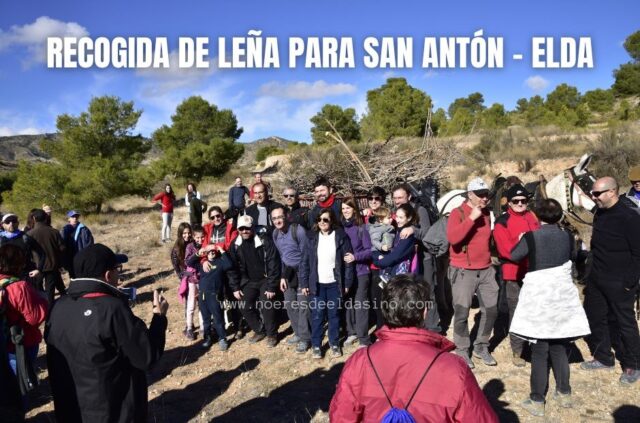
column 328, row 203
column 10, row 235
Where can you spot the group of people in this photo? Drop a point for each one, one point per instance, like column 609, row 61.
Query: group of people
column 339, row 267
column 327, row 266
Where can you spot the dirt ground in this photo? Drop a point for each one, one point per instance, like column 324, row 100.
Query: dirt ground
column 251, row 383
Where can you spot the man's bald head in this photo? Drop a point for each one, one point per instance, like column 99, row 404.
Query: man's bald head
column 604, row 183
column 605, row 192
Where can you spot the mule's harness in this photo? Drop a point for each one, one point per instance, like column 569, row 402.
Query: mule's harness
column 570, row 181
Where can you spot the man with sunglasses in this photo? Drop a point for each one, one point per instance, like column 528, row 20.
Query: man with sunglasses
column 471, row 272
column 260, row 210
column 255, row 279
column 509, row 228
column 612, row 285
column 295, row 212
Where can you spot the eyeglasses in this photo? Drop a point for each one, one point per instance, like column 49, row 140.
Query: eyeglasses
column 324, row 219
column 599, row 193
column 375, row 198
column 215, row 216
column 277, row 217
column 244, row 229
column 289, row 195
column 258, row 192
column 520, row 201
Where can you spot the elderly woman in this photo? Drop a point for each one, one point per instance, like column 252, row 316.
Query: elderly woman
column 549, row 314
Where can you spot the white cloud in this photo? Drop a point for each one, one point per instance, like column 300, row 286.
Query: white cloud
column 6, row 131
column 165, row 80
column 536, row 83
column 33, row 36
column 430, row 74
column 12, row 123
column 305, row 90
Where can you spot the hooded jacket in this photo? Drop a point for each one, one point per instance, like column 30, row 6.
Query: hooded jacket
column 268, row 264
column 23, row 306
column 98, row 352
column 361, row 244
column 449, row 393
column 308, row 270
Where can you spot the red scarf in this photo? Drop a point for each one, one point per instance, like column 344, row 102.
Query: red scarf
column 328, row 203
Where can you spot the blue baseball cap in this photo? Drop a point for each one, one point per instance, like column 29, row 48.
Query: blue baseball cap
column 72, row 213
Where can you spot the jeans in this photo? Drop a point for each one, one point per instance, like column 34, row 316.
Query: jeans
column 541, row 351
column 165, row 232
column 211, row 312
column 357, row 310
column 326, row 303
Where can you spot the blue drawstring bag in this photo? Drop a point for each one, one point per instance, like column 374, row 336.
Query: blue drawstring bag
column 399, row 415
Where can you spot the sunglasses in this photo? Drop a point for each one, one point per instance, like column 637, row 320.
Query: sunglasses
column 324, row 219
column 10, row 220
column 258, row 192
column 599, row 193
column 481, row 194
column 635, row 182
column 244, row 229
column 375, row 198
column 289, row 195
column 215, row 216
column 520, row 201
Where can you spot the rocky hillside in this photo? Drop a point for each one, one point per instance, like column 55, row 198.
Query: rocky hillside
column 19, row 147
column 251, row 148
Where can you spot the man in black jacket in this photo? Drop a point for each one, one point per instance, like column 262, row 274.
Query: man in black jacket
column 295, row 212
column 260, row 210
column 613, row 284
column 97, row 350
column 52, row 244
column 254, row 280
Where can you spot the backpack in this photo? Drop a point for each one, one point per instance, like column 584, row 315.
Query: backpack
column 400, row 415
column 425, row 193
column 435, row 240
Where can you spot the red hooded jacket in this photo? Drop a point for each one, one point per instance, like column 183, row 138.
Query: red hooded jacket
column 166, row 200
column 230, row 234
column 506, row 234
column 27, row 308
column 449, row 393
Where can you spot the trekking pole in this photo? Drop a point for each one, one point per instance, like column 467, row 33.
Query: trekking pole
column 637, row 305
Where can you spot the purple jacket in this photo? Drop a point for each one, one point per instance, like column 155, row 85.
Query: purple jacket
column 361, row 244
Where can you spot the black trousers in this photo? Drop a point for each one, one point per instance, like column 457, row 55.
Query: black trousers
column 253, row 303
column 543, row 351
column 609, row 309
column 513, row 293
column 376, row 297
column 52, row 281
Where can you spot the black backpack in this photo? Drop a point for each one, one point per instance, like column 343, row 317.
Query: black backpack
column 425, row 193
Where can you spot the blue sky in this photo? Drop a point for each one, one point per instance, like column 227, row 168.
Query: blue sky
column 281, row 101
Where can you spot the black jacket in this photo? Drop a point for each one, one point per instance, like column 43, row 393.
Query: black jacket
column 308, row 269
column 98, row 353
column 269, row 263
column 252, row 211
column 615, row 245
column 51, row 243
column 299, row 215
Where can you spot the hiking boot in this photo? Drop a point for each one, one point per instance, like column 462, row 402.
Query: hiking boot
column 293, row 340
column 208, row 342
column 351, row 339
column 466, row 358
column 518, row 361
column 629, row 376
column 302, row 347
column 536, row 408
column 190, row 335
column 257, row 337
column 316, row 353
column 223, row 345
column 272, row 341
column 335, row 351
column 485, row 356
column 564, row 400
column 595, row 365
column 239, row 334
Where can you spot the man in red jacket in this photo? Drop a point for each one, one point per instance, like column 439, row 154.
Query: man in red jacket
column 471, row 272
column 510, row 227
column 397, row 364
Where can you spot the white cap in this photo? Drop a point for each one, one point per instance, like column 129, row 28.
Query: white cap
column 477, row 184
column 7, row 216
column 245, row 221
